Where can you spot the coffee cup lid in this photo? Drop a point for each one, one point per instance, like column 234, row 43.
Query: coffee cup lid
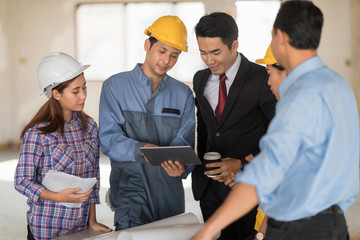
column 212, row 156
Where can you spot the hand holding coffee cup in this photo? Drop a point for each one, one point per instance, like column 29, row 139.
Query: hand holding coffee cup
column 212, row 157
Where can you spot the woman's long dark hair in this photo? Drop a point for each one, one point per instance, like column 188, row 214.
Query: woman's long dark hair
column 52, row 113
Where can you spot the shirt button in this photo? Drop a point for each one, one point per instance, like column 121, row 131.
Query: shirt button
column 217, row 134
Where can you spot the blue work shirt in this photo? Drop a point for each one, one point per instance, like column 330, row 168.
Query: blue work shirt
column 309, row 157
column 131, row 115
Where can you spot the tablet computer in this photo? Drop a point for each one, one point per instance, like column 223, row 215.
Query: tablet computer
column 183, row 154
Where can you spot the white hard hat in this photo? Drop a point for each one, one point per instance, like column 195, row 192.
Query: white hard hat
column 56, row 68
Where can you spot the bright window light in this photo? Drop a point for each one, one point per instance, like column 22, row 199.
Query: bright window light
column 255, row 20
column 111, row 37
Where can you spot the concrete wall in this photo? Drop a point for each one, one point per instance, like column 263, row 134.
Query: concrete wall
column 31, row 28
column 39, row 27
column 335, row 45
column 6, row 68
column 355, row 46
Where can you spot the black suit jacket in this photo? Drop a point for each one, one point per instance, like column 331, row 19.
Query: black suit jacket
column 250, row 105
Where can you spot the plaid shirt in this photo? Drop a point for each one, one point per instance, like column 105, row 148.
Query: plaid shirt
column 75, row 153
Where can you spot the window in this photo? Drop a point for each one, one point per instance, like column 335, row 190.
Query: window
column 255, row 20
column 111, row 37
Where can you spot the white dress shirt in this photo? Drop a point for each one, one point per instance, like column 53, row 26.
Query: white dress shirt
column 211, row 90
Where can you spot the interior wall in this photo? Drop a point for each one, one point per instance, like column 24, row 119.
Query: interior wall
column 227, row 6
column 41, row 27
column 31, row 28
column 37, row 27
column 355, row 46
column 6, row 68
column 335, row 44
column 339, row 46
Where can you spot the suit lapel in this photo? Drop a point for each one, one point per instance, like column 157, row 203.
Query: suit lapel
column 207, row 113
column 235, row 88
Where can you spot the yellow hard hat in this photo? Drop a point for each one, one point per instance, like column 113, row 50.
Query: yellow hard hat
column 169, row 30
column 268, row 59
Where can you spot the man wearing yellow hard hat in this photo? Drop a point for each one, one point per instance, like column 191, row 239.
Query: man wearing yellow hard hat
column 146, row 107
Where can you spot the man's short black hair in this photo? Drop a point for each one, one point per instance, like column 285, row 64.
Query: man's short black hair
column 152, row 41
column 218, row 24
column 302, row 21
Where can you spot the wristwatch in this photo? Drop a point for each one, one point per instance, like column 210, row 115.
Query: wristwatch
column 259, row 236
column 243, row 162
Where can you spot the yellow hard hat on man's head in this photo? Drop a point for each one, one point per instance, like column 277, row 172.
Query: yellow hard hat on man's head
column 268, row 59
column 169, row 30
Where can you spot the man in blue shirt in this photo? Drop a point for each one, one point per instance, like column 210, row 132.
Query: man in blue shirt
column 307, row 173
column 143, row 108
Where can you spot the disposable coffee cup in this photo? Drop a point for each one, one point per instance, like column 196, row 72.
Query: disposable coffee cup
column 211, row 157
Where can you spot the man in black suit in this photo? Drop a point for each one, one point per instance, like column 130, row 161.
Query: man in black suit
column 233, row 114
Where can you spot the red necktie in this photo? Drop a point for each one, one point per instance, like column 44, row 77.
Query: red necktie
column 222, row 97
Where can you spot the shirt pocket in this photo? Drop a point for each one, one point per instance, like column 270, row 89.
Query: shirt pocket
column 171, row 122
column 170, row 126
column 133, row 121
column 62, row 158
column 90, row 151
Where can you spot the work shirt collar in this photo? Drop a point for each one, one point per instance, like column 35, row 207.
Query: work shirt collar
column 145, row 79
column 303, row 68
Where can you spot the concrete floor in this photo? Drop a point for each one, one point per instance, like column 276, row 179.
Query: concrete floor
column 14, row 207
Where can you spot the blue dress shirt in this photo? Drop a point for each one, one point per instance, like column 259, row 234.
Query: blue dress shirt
column 309, row 157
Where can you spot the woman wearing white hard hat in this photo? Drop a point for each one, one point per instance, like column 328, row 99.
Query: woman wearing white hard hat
column 63, row 138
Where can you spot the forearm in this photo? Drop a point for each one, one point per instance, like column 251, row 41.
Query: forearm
column 241, row 200
column 49, row 195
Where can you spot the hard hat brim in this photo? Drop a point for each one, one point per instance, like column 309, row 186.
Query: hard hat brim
column 265, row 61
column 83, row 68
column 182, row 48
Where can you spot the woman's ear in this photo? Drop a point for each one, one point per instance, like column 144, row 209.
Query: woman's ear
column 56, row 94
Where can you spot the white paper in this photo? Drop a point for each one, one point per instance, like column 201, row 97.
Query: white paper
column 179, row 227
column 177, row 232
column 185, row 218
column 57, row 181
